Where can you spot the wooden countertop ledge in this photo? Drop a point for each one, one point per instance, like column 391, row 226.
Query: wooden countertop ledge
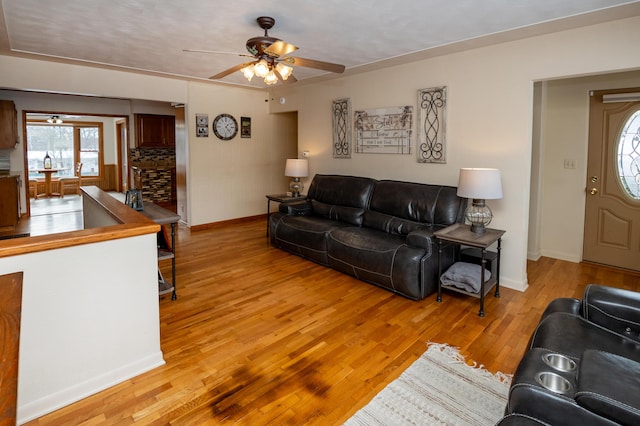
column 131, row 224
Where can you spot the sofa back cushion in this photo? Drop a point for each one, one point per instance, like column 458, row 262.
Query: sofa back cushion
column 402, row 207
column 342, row 198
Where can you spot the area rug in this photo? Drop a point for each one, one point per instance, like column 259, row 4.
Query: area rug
column 439, row 388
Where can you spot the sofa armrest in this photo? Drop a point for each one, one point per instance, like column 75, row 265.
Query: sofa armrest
column 421, row 238
column 615, row 309
column 608, row 386
column 563, row 304
column 296, row 208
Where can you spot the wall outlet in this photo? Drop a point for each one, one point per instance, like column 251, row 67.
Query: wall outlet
column 569, row 163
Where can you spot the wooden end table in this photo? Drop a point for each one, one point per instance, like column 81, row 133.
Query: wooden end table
column 461, row 234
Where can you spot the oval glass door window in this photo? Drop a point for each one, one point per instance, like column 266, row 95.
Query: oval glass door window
column 629, row 156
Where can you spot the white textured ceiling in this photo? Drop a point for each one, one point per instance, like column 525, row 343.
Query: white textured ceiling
column 150, row 35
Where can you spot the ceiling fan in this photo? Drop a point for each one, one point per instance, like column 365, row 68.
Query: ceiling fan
column 270, row 60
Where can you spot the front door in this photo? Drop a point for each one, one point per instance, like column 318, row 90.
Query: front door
column 612, row 212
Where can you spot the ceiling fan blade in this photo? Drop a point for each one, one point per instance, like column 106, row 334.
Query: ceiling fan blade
column 230, row 70
column 312, row 63
column 280, row 48
column 217, row 52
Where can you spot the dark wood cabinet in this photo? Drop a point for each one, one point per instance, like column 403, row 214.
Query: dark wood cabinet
column 9, row 201
column 155, row 131
column 8, row 125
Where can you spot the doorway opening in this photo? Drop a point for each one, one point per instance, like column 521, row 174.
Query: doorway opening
column 60, row 145
column 559, row 177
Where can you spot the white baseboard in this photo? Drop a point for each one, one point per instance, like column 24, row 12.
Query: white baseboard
column 569, row 257
column 513, row 284
column 42, row 406
column 534, row 255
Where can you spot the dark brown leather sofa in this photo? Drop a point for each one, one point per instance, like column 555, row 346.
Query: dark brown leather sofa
column 583, row 363
column 379, row 231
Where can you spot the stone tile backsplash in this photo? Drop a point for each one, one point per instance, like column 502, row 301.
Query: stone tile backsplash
column 154, row 170
column 158, row 156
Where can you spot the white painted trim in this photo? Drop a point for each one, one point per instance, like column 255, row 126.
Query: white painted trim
column 569, row 257
column 513, row 285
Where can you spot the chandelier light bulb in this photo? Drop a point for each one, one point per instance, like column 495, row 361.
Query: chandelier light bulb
column 248, row 72
column 283, row 70
column 261, row 69
column 271, row 78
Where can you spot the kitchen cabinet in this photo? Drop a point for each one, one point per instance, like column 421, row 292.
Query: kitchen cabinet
column 155, row 131
column 9, row 201
column 8, row 125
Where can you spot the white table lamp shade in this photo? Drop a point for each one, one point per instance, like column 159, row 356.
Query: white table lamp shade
column 480, row 184
column 296, row 167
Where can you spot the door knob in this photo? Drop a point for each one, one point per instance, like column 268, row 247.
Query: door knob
column 593, row 191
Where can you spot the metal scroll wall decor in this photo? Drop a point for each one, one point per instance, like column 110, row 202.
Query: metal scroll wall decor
column 341, row 128
column 432, row 105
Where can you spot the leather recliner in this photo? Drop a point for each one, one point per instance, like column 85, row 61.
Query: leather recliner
column 583, row 362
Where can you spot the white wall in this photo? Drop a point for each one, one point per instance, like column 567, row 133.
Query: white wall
column 54, row 77
column 489, row 115
column 85, row 327
column 229, row 179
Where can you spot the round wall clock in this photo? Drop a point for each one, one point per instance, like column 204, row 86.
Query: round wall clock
column 225, row 127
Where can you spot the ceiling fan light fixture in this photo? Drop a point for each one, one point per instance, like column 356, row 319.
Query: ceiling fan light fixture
column 261, row 69
column 54, row 119
column 284, row 70
column 271, row 78
column 248, row 72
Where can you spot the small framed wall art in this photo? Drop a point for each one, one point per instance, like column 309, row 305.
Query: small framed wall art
column 202, row 125
column 245, row 127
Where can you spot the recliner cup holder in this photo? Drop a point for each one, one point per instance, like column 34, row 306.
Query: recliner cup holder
column 553, row 382
column 559, row 362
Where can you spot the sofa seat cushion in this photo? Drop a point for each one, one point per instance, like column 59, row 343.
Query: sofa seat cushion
column 377, row 257
column 304, row 235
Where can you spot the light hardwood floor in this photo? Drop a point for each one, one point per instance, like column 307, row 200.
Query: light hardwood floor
column 258, row 336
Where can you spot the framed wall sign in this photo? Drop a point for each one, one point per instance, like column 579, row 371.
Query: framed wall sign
column 245, row 127
column 202, row 125
column 384, row 130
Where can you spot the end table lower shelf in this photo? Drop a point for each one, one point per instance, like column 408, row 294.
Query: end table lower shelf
column 462, row 235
